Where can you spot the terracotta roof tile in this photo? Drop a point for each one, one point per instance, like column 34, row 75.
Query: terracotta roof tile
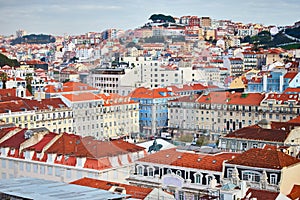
column 295, row 192
column 38, row 147
column 74, row 145
column 4, row 131
column 260, row 194
column 264, row 158
column 255, row 132
column 145, row 93
column 229, row 98
column 15, row 141
column 69, row 87
column 98, row 164
column 86, row 96
column 135, row 192
column 190, row 160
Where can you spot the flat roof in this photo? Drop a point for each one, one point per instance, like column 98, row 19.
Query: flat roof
column 33, row 188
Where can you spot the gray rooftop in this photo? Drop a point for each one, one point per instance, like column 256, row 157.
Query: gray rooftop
column 33, row 188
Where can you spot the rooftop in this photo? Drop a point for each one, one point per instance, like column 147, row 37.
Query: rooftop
column 190, row 160
column 32, row 188
column 264, row 158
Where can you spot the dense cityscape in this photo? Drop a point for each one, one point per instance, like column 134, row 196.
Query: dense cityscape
column 186, row 107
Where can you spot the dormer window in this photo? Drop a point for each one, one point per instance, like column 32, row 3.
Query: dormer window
column 140, row 170
column 150, row 171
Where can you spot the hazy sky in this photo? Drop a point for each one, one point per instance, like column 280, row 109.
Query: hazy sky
column 78, row 17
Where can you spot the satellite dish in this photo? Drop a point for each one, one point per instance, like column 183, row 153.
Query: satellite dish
column 274, row 30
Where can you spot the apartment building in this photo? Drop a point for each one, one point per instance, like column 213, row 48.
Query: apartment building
column 218, row 112
column 103, row 116
column 267, row 169
column 153, row 110
column 142, row 72
column 236, row 67
column 250, row 60
column 185, row 174
column 52, row 114
column 284, row 135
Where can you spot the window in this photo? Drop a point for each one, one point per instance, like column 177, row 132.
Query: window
column 21, row 166
column 68, row 172
column 42, row 169
column 28, row 167
column 178, row 173
column 169, row 171
column 150, row 171
column 140, row 170
column 273, row 179
column 50, row 170
column 244, row 146
column 181, row 195
column 57, row 171
column 3, row 163
column 198, row 178
column 35, row 168
column 10, row 164
column 254, row 145
column 79, row 174
column 208, row 179
column 229, row 173
column 251, row 176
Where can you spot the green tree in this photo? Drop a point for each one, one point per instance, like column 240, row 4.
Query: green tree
column 28, row 80
column 3, row 78
column 202, row 140
column 4, row 60
column 186, row 138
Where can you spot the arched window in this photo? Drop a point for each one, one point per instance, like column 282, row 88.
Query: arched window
column 198, row 178
column 178, row 173
column 169, row 171
column 209, row 178
column 273, row 179
column 140, row 170
column 150, row 171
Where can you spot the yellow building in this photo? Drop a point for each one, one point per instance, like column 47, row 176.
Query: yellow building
column 52, row 114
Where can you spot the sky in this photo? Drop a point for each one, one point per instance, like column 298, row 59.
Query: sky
column 73, row 17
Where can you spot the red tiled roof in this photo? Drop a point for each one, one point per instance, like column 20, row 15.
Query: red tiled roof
column 290, row 75
column 45, row 103
column 98, row 164
column 38, row 147
column 190, row 160
column 135, row 192
column 264, row 158
column 21, row 104
column 4, row 131
column 15, row 141
column 69, row 87
column 148, row 93
column 235, row 98
column 292, row 90
column 295, row 120
column 188, row 87
column 260, row 194
column 283, row 98
column 255, row 132
column 8, row 92
column 191, row 98
column 86, row 96
column 70, row 144
column 295, row 192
